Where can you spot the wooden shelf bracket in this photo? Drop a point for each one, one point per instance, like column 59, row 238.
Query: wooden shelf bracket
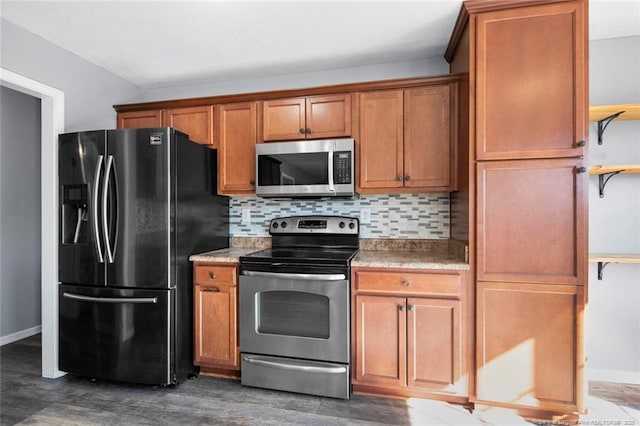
column 602, row 125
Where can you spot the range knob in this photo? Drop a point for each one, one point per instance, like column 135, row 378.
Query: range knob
column 283, row 224
column 341, row 225
column 275, row 225
column 352, row 225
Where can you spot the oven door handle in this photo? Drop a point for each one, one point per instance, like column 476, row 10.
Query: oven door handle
column 293, row 367
column 310, row 277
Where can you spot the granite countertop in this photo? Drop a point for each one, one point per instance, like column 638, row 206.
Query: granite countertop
column 408, row 259
column 419, row 254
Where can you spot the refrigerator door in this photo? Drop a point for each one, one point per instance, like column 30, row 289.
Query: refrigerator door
column 116, row 334
column 80, row 170
column 137, row 195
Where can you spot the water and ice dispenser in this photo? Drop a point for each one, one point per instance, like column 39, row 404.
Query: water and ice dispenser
column 75, row 214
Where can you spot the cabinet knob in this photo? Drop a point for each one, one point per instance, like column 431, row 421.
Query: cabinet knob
column 307, row 130
column 411, row 308
column 581, row 169
column 407, row 178
column 401, row 308
column 302, row 130
column 252, row 182
column 581, row 144
column 405, row 283
column 399, row 178
column 212, row 275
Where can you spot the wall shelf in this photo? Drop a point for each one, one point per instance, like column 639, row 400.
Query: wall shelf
column 605, row 173
column 604, row 114
column 603, row 259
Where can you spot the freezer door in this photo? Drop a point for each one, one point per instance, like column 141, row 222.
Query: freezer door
column 80, row 167
column 137, row 196
column 116, row 334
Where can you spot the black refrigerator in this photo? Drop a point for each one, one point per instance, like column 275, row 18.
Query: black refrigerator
column 134, row 204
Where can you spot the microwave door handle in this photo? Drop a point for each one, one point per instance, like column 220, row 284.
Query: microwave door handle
column 331, row 188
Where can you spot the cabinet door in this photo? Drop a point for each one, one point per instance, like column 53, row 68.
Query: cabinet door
column 380, row 340
column 429, row 137
column 381, row 140
column 529, row 345
column 197, row 122
column 284, row 119
column 434, row 345
column 531, row 221
column 215, row 326
column 531, row 82
column 139, row 119
column 328, row 116
column 237, row 148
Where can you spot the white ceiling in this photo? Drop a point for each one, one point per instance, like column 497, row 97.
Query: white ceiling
column 165, row 43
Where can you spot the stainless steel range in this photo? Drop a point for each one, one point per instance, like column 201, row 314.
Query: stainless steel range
column 295, row 307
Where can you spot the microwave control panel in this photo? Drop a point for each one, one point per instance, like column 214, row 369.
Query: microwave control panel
column 342, row 167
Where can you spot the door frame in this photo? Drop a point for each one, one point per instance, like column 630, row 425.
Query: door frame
column 52, row 103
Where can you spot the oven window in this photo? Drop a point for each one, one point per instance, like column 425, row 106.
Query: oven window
column 293, row 169
column 293, row 313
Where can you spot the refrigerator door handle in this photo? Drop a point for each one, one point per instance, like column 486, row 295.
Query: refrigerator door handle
column 94, row 208
column 110, row 299
column 105, row 219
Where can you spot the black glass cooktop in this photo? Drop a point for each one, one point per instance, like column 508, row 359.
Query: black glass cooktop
column 321, row 255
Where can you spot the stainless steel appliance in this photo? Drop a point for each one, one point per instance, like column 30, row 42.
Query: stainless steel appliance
column 310, row 168
column 295, row 307
column 134, row 204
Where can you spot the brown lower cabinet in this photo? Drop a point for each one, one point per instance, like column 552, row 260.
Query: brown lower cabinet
column 410, row 332
column 528, row 349
column 215, row 317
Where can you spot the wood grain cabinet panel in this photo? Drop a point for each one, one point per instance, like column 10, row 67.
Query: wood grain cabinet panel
column 528, row 350
column 531, row 223
column 408, row 139
column 139, row 119
column 215, row 316
column 237, row 138
column 409, row 342
column 197, row 122
column 312, row 117
column 531, row 82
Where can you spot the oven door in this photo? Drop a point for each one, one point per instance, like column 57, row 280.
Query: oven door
column 295, row 315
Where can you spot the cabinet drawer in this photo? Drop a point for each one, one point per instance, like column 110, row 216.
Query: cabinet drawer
column 223, row 275
column 409, row 282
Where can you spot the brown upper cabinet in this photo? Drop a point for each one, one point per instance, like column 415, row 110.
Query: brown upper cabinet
column 197, row 122
column 139, row 119
column 237, row 137
column 407, row 140
column 312, row 117
column 531, row 82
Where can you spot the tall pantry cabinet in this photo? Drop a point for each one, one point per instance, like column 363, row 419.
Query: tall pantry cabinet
column 525, row 131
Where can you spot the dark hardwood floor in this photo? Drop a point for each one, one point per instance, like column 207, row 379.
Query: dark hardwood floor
column 27, row 398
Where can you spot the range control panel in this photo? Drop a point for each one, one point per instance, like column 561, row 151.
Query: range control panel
column 314, row 224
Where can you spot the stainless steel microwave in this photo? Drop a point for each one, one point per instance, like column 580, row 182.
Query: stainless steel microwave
column 309, row 168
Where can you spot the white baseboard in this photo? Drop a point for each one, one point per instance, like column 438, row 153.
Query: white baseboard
column 614, row 376
column 19, row 335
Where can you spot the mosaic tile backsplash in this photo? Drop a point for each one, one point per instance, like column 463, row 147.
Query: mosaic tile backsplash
column 418, row 216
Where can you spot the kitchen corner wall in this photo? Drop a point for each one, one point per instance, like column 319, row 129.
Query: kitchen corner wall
column 415, row 216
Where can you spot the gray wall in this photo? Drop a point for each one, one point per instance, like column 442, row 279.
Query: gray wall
column 613, row 321
column 90, row 91
column 19, row 212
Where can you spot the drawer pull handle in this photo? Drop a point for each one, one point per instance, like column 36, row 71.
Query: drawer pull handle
column 212, row 275
column 405, row 283
column 212, row 289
